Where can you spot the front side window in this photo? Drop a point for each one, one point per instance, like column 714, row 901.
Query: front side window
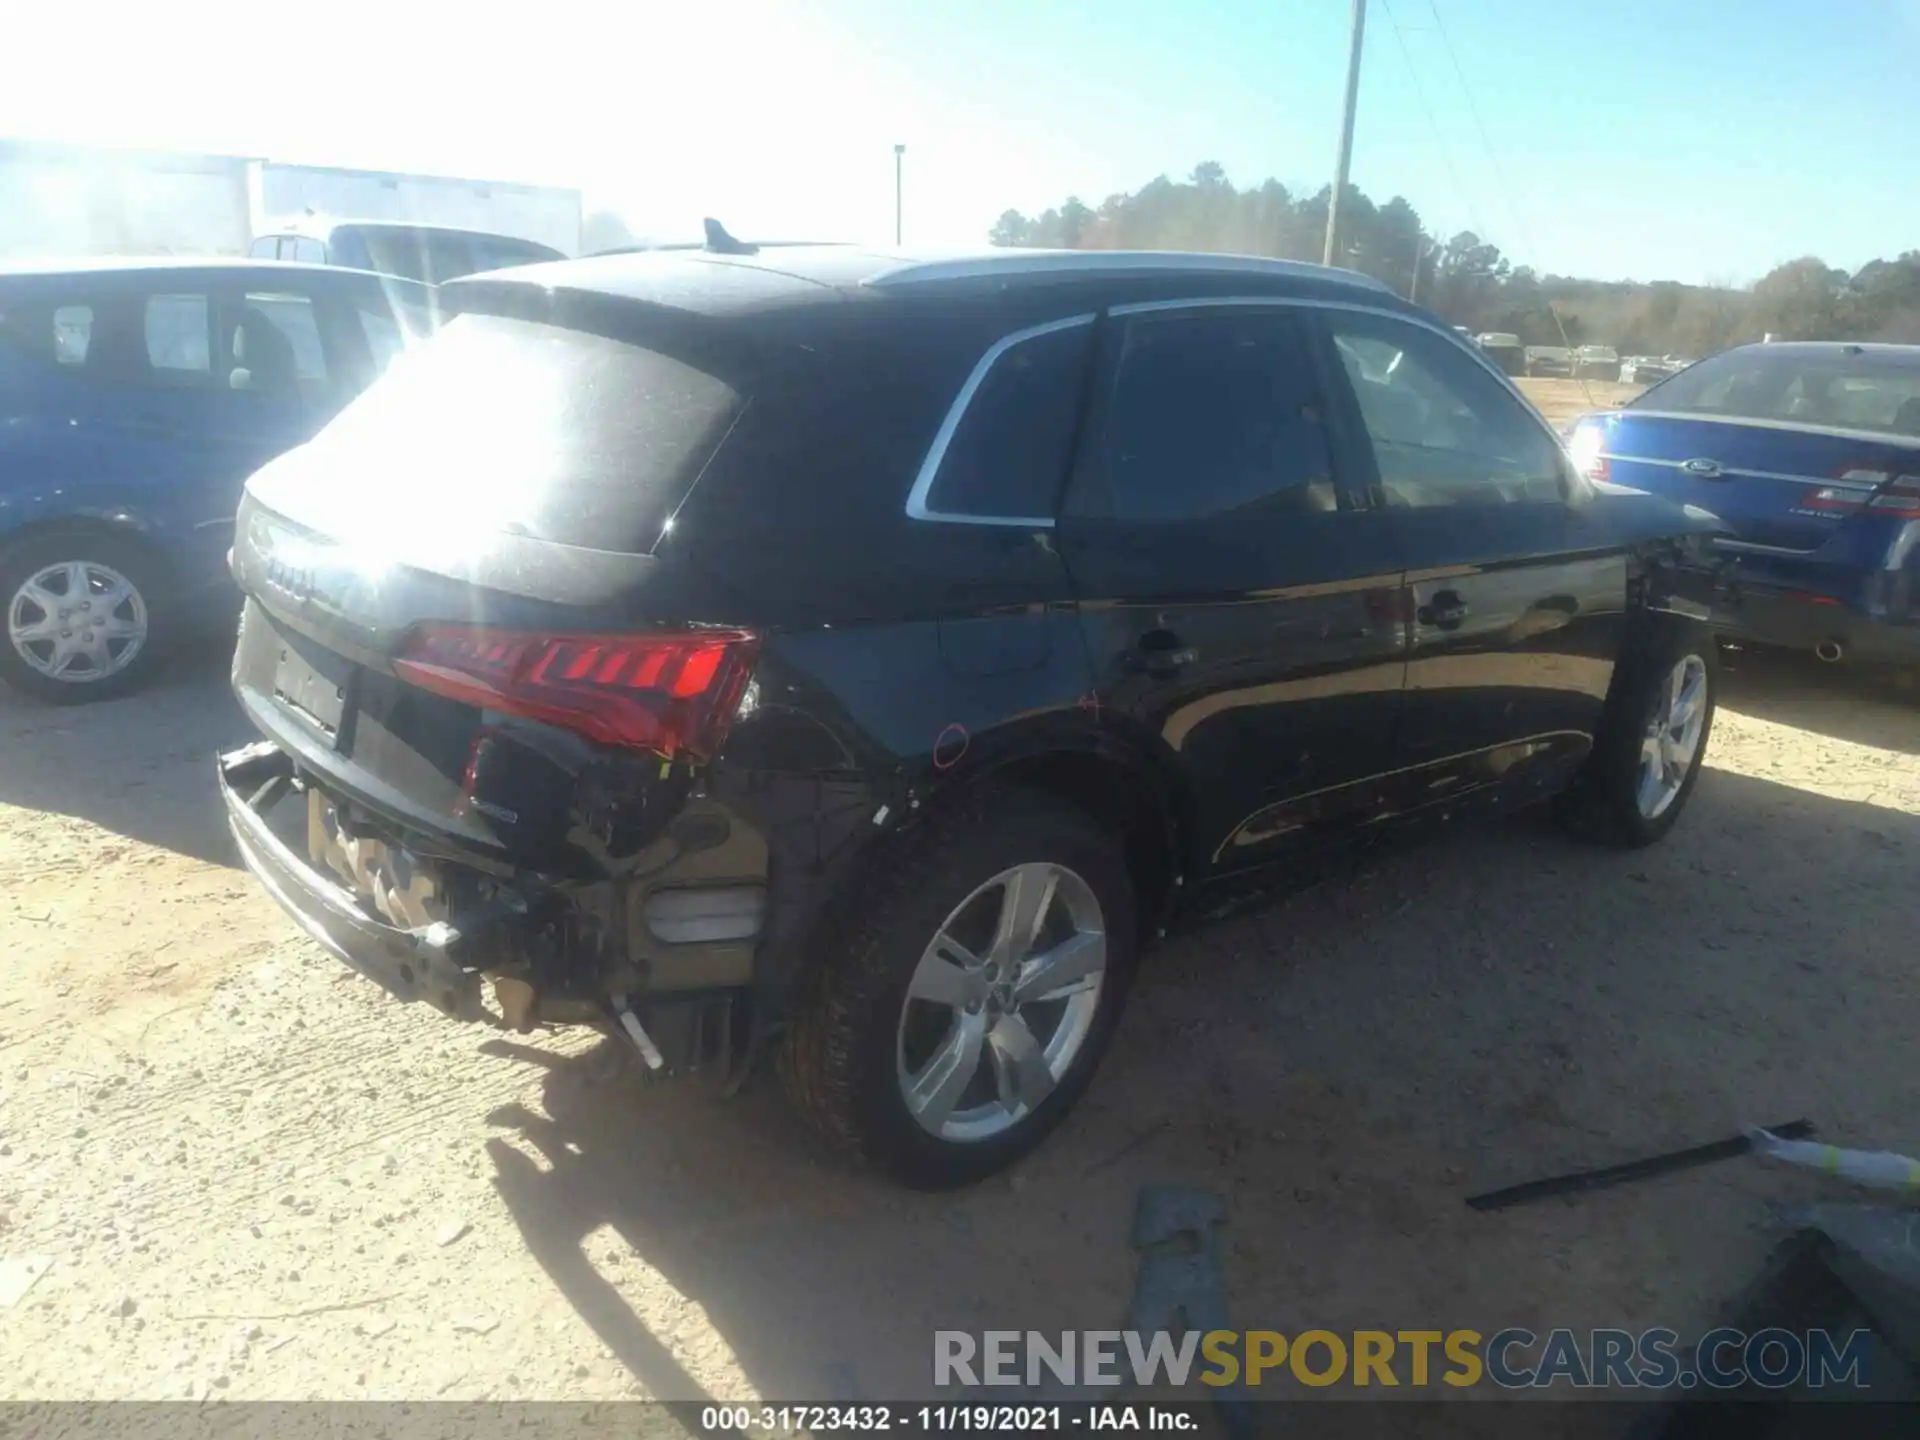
column 1008, row 456
column 1214, row 414
column 1444, row 431
column 276, row 345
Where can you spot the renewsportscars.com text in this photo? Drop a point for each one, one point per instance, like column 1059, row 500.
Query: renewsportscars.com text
column 1512, row 1358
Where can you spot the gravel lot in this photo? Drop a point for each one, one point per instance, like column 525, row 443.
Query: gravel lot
column 229, row 1168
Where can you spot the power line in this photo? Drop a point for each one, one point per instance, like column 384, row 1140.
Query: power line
column 1420, row 94
column 1499, row 175
column 1473, row 109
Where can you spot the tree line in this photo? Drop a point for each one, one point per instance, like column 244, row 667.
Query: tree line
column 1468, row 281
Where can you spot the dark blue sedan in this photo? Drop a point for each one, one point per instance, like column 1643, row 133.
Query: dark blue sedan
column 1809, row 454
column 135, row 399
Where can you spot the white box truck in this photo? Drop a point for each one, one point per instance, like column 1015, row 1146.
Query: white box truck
column 74, row 200
column 291, row 197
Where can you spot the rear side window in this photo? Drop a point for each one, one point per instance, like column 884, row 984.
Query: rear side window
column 178, row 337
column 49, row 333
column 1215, row 414
column 498, row 254
column 1007, row 457
column 510, row 425
column 1851, row 391
column 72, row 327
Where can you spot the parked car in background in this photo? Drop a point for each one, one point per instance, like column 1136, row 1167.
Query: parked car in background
column 1504, row 350
column 1651, row 369
column 135, row 399
column 770, row 643
column 1810, row 455
column 1548, row 360
column 426, row 253
column 1596, row 362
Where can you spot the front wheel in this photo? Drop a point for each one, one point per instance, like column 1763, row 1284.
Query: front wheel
column 962, row 1010
column 80, row 616
column 1653, row 738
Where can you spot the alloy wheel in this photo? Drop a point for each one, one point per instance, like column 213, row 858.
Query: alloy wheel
column 1001, row 1002
column 1672, row 736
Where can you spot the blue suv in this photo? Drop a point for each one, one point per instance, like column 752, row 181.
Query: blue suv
column 135, row 399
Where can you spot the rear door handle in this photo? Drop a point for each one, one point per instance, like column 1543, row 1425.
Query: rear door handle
column 1445, row 611
column 1161, row 654
column 158, row 426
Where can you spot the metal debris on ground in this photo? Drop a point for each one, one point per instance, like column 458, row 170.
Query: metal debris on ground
column 1645, row 1169
column 17, row 1276
column 1182, row 1286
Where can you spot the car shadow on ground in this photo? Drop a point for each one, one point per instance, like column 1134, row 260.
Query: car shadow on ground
column 141, row 766
column 1863, row 704
column 1343, row 1068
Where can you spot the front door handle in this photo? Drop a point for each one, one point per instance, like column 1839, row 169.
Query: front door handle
column 1445, row 611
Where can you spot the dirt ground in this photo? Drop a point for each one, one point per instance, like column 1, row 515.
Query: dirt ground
column 1564, row 400
column 229, row 1168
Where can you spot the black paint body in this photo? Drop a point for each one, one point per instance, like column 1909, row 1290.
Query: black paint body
column 1227, row 690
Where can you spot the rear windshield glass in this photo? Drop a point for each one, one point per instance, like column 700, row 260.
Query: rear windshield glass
column 528, row 429
column 1852, row 392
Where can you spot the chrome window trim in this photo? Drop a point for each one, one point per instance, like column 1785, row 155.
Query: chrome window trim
column 917, row 507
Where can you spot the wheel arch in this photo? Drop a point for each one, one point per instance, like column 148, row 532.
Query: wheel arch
column 1120, row 789
column 122, row 527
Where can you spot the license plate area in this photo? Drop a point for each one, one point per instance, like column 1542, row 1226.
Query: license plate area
column 402, row 888
column 312, row 684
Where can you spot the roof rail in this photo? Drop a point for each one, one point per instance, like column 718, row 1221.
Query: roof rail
column 1013, row 261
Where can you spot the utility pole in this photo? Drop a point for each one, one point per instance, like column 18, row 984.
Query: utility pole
column 898, row 152
column 1345, row 160
column 1419, row 249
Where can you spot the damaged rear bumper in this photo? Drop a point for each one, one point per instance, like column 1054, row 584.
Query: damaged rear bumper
column 420, row 964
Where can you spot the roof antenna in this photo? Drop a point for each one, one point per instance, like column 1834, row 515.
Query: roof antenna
column 721, row 243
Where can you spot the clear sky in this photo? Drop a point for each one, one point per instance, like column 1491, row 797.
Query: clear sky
column 1683, row 139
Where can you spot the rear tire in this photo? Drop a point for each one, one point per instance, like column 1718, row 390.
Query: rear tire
column 865, row 1048
column 85, row 616
column 1653, row 737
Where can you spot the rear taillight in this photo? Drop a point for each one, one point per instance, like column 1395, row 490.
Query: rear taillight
column 1898, row 498
column 1586, row 446
column 673, row 694
column 1832, row 498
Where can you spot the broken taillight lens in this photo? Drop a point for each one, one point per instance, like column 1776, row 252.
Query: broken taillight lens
column 1587, row 446
column 672, row 694
column 1899, row 498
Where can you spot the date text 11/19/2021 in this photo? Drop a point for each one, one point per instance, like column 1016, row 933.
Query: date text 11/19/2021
column 907, row 1419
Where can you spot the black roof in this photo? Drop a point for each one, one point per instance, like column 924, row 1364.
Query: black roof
column 1835, row 349
column 792, row 276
